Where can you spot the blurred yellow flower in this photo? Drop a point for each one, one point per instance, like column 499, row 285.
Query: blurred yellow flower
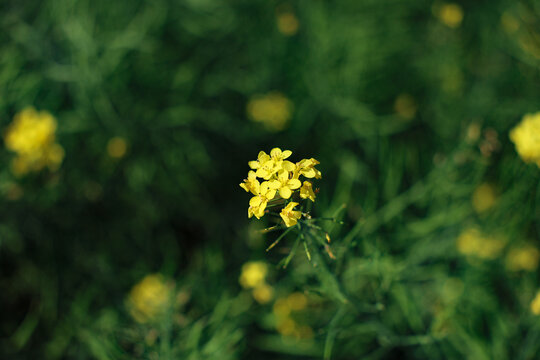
column 273, row 110
column 526, row 138
column 149, row 298
column 31, row 136
column 509, row 23
column 405, row 106
column 535, row 304
column 297, row 301
column 450, row 14
column 523, row 258
column 253, row 274
column 117, row 147
column 287, row 23
column 473, row 243
column 263, row 293
column 484, row 197
column 290, row 216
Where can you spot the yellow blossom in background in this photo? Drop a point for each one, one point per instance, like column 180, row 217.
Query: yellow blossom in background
column 484, row 197
column 535, row 304
column 450, row 14
column 253, row 274
column 287, row 23
column 297, row 301
column 263, row 293
column 509, row 23
column 117, row 147
column 31, row 136
column 290, row 216
column 523, row 258
column 405, row 106
column 149, row 298
column 526, row 138
column 273, row 110
column 472, row 242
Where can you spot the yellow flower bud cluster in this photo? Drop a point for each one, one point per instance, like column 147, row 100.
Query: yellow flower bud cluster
column 526, row 137
column 149, row 299
column 31, row 136
column 280, row 178
column 253, row 277
column 283, row 310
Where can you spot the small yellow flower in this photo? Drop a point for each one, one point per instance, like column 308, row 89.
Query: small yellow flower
column 526, row 137
column 149, row 298
column 405, row 106
column 450, row 14
column 297, row 301
column 523, row 258
column 281, row 308
column 535, row 304
column 263, row 293
column 31, row 136
column 267, row 166
column 306, row 167
column 273, row 110
column 286, row 185
column 287, row 23
column 484, row 197
column 473, row 242
column 306, row 191
column 290, row 216
column 253, row 274
column 117, row 147
column 258, row 203
column 251, row 184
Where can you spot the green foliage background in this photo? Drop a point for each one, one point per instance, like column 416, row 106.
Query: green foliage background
column 173, row 78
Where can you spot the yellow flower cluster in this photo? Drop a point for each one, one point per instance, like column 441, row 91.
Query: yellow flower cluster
column 473, row 243
column 253, row 277
column 526, row 137
column 273, row 110
column 149, row 298
column 285, row 324
column 31, row 136
column 280, row 179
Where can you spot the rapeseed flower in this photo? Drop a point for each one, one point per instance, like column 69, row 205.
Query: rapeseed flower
column 273, row 180
column 290, row 216
column 535, row 304
column 253, row 274
column 117, row 147
column 484, row 198
column 31, row 136
column 149, row 298
column 472, row 242
column 526, row 138
column 273, row 110
column 287, row 23
column 449, row 14
column 523, row 258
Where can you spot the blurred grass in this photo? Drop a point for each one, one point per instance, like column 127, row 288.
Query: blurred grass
column 173, row 78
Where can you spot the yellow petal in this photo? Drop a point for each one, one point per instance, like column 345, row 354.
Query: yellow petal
column 285, row 192
column 275, row 153
column 286, row 154
column 255, row 201
column 294, row 183
column 254, row 164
